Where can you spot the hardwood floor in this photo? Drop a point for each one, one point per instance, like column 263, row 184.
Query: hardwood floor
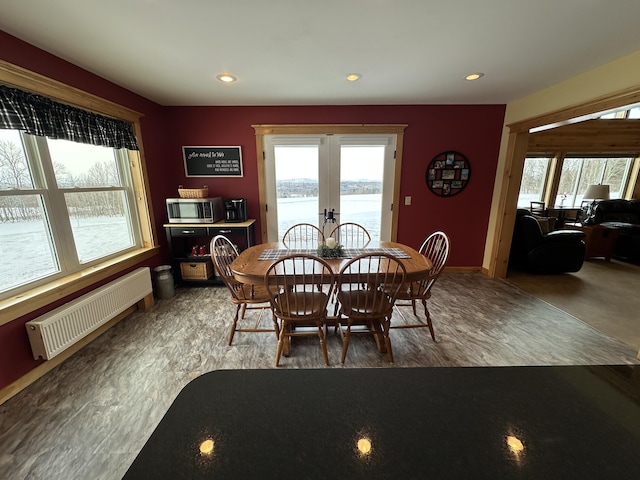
column 89, row 417
column 602, row 294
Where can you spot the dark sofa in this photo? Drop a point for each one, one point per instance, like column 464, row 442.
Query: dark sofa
column 533, row 251
column 625, row 216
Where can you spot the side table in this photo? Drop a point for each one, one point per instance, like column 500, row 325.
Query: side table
column 600, row 241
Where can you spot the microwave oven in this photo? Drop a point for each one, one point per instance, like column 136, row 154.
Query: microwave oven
column 195, row 210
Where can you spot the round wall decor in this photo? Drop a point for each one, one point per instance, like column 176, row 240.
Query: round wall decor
column 448, row 173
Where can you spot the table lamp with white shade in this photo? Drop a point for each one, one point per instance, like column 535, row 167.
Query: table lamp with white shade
column 595, row 193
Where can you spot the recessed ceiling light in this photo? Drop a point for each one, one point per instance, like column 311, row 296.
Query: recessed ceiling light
column 474, row 76
column 226, row 78
column 352, row 77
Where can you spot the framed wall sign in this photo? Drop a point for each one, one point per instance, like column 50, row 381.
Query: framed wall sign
column 448, row 173
column 212, row 161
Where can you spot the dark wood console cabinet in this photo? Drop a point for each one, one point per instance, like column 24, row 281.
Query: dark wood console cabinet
column 600, row 241
column 182, row 237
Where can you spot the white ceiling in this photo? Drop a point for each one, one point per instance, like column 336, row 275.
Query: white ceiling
column 298, row 52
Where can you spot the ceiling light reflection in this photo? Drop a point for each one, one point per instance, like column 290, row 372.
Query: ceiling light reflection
column 352, row 77
column 364, row 446
column 514, row 444
column 206, row 447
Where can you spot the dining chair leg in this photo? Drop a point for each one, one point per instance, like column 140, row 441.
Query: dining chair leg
column 287, row 328
column 323, row 344
column 276, row 327
column 429, row 324
column 378, row 335
column 280, row 346
column 387, row 341
column 389, row 351
column 234, row 325
column 413, row 304
column 345, row 343
column 244, row 310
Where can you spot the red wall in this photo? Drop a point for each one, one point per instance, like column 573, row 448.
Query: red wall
column 473, row 130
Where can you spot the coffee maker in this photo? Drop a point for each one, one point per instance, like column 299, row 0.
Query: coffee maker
column 235, row 210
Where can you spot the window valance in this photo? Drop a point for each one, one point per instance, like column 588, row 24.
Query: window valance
column 39, row 115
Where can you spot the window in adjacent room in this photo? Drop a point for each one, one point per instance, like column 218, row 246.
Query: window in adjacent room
column 534, row 179
column 578, row 172
column 634, row 113
column 63, row 206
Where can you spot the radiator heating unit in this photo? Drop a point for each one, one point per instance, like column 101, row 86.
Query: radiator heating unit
column 59, row 329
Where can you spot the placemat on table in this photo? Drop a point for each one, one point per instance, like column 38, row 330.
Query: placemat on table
column 277, row 253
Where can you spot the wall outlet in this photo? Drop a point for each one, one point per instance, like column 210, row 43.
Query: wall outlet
column 407, row 200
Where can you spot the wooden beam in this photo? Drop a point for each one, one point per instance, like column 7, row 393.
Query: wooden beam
column 511, row 179
column 581, row 112
column 594, row 136
column 323, row 129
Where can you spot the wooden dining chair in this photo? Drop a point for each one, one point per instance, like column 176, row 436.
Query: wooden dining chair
column 436, row 249
column 538, row 209
column 579, row 214
column 351, row 235
column 244, row 296
column 303, row 235
column 366, row 292
column 299, row 288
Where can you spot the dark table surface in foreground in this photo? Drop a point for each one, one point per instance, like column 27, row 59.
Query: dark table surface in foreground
column 571, row 422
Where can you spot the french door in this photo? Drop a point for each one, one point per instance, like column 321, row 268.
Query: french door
column 329, row 179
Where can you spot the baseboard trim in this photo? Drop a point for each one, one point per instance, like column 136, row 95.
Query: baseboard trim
column 465, row 270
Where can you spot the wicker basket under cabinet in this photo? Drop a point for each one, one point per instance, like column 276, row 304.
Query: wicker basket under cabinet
column 196, row 270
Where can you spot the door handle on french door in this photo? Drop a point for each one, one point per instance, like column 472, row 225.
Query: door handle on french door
column 329, row 215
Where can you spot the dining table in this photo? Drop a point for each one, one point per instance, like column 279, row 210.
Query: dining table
column 252, row 264
column 562, row 214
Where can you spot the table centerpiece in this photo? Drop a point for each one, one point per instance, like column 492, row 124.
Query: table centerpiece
column 331, row 249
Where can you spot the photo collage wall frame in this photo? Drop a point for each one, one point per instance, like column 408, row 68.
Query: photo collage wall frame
column 448, row 173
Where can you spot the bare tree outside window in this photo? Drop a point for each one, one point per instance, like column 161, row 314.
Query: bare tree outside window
column 534, row 177
column 14, row 171
column 580, row 172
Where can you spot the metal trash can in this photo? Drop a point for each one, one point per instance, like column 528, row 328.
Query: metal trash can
column 165, row 284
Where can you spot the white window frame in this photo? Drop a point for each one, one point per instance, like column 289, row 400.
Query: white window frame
column 56, row 215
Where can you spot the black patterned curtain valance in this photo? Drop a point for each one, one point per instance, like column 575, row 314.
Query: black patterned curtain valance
column 39, row 115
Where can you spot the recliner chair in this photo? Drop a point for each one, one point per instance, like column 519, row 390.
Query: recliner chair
column 532, row 250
